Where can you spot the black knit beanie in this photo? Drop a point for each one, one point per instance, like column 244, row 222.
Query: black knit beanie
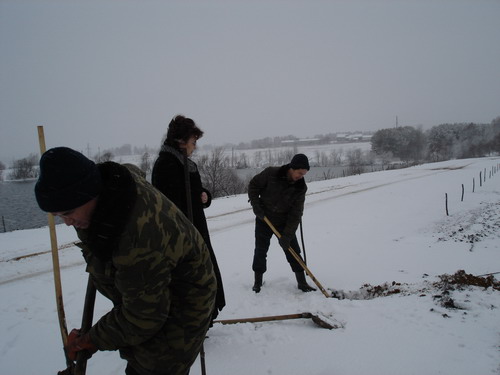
column 299, row 161
column 67, row 180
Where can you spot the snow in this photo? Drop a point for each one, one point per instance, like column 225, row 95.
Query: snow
column 370, row 229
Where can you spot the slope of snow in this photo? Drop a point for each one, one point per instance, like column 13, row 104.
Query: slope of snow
column 383, row 231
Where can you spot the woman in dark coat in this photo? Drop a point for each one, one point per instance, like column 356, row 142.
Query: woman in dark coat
column 169, row 177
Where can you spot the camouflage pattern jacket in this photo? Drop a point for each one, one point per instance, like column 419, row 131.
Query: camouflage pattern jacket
column 282, row 200
column 146, row 257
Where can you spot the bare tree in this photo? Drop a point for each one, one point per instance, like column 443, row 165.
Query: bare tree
column 257, row 158
column 285, row 156
column 217, row 176
column 355, row 160
column 336, row 157
column 269, row 156
column 322, row 159
column 23, row 169
column 242, row 162
column 2, row 168
column 328, row 175
column 106, row 156
column 145, row 163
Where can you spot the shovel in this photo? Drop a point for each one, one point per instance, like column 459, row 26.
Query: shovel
column 80, row 366
column 305, row 315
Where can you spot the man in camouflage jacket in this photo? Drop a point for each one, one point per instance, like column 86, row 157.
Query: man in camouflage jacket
column 278, row 193
column 142, row 253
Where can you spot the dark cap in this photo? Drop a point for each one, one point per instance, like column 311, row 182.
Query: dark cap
column 299, row 161
column 67, row 180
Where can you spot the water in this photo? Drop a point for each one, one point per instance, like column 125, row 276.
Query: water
column 18, row 207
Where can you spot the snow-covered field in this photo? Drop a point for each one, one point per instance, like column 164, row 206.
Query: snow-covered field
column 383, row 232
column 312, row 151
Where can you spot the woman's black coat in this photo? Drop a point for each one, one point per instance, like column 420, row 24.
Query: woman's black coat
column 168, row 177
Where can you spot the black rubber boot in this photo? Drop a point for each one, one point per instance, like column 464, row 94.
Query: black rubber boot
column 302, row 283
column 258, row 282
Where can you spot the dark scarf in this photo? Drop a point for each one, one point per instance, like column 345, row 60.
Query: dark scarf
column 192, row 168
column 113, row 209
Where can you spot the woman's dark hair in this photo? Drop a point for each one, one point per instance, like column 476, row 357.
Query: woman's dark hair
column 181, row 129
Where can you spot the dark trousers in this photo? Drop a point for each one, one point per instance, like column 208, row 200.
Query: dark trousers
column 263, row 236
column 129, row 370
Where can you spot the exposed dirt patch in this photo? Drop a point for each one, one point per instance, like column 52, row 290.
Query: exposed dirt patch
column 461, row 280
column 441, row 290
column 368, row 291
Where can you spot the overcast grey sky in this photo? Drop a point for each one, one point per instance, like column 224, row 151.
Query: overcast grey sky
column 106, row 73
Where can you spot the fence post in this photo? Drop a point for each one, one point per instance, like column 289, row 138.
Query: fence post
column 3, row 222
column 446, row 203
column 462, row 192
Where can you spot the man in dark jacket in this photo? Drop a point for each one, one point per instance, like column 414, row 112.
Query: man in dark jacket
column 278, row 193
column 142, row 253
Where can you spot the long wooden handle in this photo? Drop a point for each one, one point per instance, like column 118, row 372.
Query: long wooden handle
column 55, row 261
column 263, row 318
column 298, row 259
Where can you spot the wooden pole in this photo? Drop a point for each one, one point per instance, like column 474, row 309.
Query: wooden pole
column 298, row 259
column 55, row 263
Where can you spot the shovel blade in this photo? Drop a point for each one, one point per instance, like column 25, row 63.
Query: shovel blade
column 320, row 322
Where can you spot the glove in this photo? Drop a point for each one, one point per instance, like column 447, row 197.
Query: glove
column 77, row 342
column 284, row 242
column 258, row 211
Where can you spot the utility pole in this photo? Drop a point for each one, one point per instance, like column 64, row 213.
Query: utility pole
column 396, row 121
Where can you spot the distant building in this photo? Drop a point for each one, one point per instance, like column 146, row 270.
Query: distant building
column 367, row 137
column 353, row 137
column 341, row 137
column 300, row 142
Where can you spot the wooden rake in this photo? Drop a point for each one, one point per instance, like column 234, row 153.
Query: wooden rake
column 305, row 315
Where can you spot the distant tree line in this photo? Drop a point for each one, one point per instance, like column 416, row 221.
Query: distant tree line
column 441, row 142
column 407, row 145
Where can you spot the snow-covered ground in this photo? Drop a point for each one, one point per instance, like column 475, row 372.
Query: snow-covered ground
column 383, row 232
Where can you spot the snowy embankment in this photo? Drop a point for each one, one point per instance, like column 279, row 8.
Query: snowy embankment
column 383, row 239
